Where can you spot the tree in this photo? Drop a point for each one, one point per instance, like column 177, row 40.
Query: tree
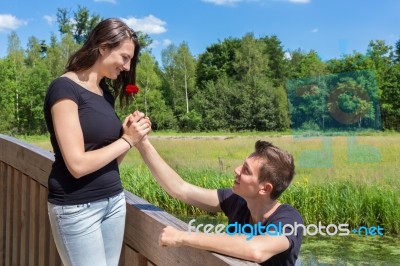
column 16, row 54
column 213, row 104
column 278, row 67
column 349, row 103
column 185, row 63
column 54, row 59
column 217, row 61
column 147, row 76
column 80, row 26
column 390, row 99
column 169, row 74
column 64, row 21
column 144, row 41
column 243, row 97
column 7, row 95
column 304, row 64
column 33, row 85
column 33, row 52
column 397, row 52
column 179, row 67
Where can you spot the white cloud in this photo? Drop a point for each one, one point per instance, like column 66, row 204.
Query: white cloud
column 10, row 22
column 300, row 1
column 163, row 43
column 223, row 2
column 154, row 44
column 166, row 42
column 149, row 24
column 234, row 2
column 107, row 1
column 49, row 19
column 315, row 30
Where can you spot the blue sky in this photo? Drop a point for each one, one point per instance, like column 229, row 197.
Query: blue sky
column 330, row 27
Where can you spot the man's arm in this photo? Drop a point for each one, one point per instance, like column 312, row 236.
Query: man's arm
column 173, row 184
column 258, row 249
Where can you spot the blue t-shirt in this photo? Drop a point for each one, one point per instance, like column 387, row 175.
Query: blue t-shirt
column 100, row 127
column 235, row 208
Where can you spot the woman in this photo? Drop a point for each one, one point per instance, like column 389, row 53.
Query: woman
column 86, row 203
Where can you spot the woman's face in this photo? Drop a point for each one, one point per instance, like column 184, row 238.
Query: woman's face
column 114, row 61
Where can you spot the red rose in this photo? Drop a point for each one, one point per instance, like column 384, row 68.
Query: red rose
column 131, row 89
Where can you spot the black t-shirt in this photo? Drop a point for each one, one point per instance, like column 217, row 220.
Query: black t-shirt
column 235, row 208
column 100, row 126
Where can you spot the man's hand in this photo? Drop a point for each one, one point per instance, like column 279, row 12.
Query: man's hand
column 135, row 127
column 171, row 237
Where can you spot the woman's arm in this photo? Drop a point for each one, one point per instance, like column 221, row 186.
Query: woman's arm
column 121, row 157
column 70, row 139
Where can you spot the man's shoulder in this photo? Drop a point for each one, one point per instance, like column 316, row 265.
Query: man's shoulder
column 230, row 203
column 289, row 212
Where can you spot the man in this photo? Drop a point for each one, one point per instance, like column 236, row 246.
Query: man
column 258, row 183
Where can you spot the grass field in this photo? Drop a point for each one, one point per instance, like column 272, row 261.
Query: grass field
column 340, row 179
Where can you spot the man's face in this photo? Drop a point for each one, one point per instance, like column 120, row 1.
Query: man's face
column 246, row 182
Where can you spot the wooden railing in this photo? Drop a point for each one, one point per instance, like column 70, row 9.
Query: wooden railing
column 25, row 234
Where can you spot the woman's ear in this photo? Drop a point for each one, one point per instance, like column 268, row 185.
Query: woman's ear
column 102, row 49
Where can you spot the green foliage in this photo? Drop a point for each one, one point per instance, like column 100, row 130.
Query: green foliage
column 139, row 181
column 243, row 96
column 390, row 99
column 237, row 84
column 335, row 101
column 80, row 26
column 34, row 83
column 7, row 96
column 217, row 61
column 278, row 66
column 348, row 202
column 334, row 202
column 190, row 121
column 179, row 78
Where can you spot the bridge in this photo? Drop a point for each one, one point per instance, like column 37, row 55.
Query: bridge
column 25, row 233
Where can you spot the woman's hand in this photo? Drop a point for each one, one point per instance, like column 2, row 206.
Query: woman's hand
column 135, row 127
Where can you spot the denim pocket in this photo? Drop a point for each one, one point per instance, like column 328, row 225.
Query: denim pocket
column 72, row 210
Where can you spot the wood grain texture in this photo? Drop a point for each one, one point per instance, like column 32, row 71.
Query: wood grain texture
column 25, row 233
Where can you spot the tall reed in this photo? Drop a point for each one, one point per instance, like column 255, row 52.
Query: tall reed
column 343, row 201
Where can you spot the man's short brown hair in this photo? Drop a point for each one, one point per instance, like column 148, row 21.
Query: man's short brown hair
column 277, row 168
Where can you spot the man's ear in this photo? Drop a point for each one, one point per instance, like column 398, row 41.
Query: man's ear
column 266, row 188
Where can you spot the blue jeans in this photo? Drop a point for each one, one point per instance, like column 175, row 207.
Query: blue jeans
column 91, row 233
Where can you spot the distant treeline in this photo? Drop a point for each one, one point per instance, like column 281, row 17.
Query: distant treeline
column 237, row 84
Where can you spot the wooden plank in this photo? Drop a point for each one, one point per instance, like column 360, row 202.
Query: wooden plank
column 122, row 256
column 9, row 221
column 143, row 226
column 16, row 237
column 133, row 258
column 24, row 220
column 33, row 223
column 3, row 200
column 36, row 161
column 43, row 248
column 54, row 258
